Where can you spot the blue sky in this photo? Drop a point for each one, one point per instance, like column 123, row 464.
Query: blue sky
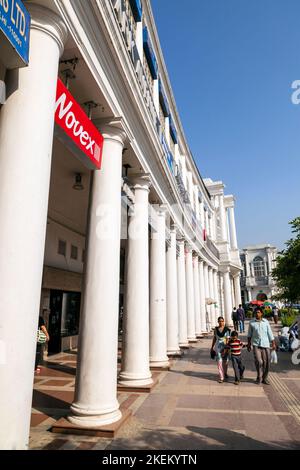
column 231, row 64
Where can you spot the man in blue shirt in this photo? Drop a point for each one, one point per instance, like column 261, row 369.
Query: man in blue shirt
column 260, row 336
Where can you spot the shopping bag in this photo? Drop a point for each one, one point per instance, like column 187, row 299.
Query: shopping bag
column 274, row 358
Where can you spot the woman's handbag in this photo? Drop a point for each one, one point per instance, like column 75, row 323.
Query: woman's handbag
column 41, row 337
column 213, row 354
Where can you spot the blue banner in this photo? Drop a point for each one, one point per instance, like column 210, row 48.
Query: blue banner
column 149, row 53
column 15, row 25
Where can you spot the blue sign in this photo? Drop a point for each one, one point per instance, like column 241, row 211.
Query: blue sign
column 15, row 25
column 149, row 53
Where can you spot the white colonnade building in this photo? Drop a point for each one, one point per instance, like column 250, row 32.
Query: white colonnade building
column 141, row 246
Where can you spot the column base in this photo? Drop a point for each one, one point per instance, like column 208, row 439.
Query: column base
column 174, row 353
column 192, row 340
column 132, row 387
column 159, row 364
column 184, row 345
column 133, row 380
column 85, row 419
column 64, row 426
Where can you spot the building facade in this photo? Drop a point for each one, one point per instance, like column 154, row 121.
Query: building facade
column 256, row 279
column 102, row 212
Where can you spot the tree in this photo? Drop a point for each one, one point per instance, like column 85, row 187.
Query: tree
column 287, row 271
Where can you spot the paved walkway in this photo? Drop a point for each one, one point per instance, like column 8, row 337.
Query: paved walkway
column 188, row 409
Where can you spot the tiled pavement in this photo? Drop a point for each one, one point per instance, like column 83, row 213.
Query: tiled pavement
column 188, row 409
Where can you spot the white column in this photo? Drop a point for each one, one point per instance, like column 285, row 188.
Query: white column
column 190, row 300
column 233, row 238
column 212, row 296
column 269, row 262
column 197, row 296
column 202, row 297
column 216, row 295
column 158, row 293
column 227, row 298
column 206, row 289
column 95, row 401
column 237, row 290
column 233, row 294
column 181, row 292
column 135, row 369
column 139, row 39
column 172, row 298
column 249, row 294
column 221, row 294
column 222, row 215
column 26, row 137
column 156, row 95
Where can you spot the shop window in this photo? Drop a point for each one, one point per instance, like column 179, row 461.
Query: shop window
column 62, row 247
column 74, row 252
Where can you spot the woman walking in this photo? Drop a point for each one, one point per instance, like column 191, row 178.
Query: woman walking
column 220, row 339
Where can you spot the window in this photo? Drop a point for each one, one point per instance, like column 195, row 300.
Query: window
column 74, row 252
column 259, row 267
column 62, row 247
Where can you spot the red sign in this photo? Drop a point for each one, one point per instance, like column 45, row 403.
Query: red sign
column 76, row 124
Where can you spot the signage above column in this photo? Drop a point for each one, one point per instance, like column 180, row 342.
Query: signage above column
column 80, row 134
column 14, row 34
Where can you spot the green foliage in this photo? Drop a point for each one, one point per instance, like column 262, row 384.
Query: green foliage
column 267, row 311
column 287, row 271
column 288, row 319
column 249, row 314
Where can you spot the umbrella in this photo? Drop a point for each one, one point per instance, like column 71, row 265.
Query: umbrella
column 268, row 304
column 256, row 302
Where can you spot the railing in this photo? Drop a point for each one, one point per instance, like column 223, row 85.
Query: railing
column 211, row 246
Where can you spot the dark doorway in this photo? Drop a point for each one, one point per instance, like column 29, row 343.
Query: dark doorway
column 63, row 318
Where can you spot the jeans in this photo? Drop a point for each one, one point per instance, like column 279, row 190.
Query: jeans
column 242, row 326
column 262, row 359
column 38, row 355
column 238, row 367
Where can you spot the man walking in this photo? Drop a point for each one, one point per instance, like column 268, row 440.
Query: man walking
column 260, row 335
column 241, row 318
column 235, row 319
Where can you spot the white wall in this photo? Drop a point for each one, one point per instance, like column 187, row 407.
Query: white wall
column 55, row 232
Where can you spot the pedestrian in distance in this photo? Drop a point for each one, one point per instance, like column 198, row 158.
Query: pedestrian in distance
column 234, row 318
column 260, row 336
column 220, row 338
column 43, row 336
column 235, row 347
column 241, row 318
column 275, row 314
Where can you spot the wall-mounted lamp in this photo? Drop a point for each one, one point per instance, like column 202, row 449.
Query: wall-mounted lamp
column 78, row 182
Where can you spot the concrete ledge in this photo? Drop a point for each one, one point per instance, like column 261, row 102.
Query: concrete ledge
column 138, row 388
column 192, row 341
column 63, row 426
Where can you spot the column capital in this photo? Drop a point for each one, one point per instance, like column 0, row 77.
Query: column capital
column 140, row 181
column 44, row 19
column 113, row 129
column 188, row 248
column 161, row 210
column 174, row 228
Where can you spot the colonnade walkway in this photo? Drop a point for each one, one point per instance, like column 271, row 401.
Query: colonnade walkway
column 187, row 409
